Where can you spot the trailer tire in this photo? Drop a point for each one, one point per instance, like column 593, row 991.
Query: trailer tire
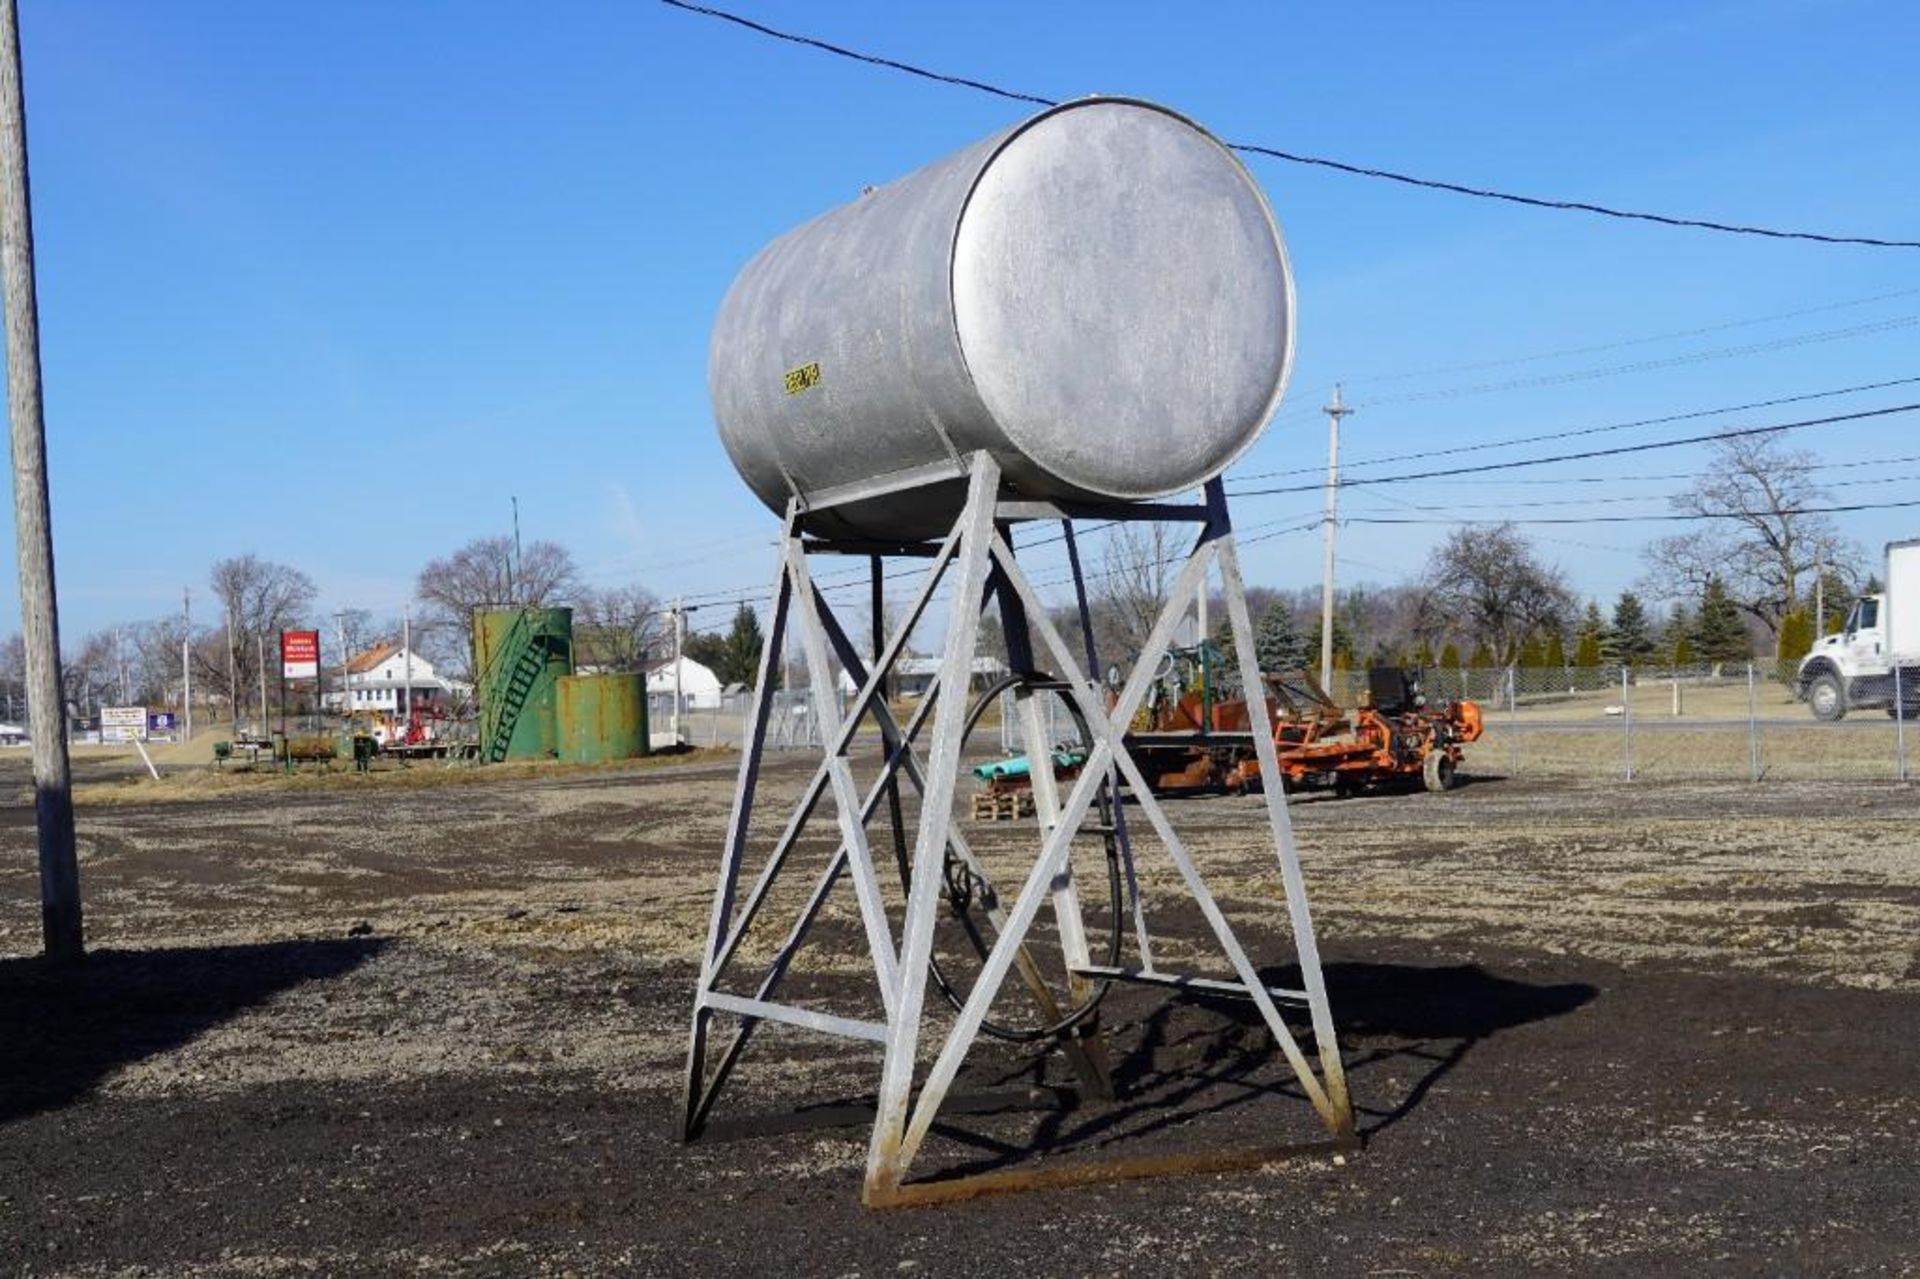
column 1827, row 697
column 1439, row 773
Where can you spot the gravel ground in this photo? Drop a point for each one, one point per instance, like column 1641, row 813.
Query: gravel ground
column 380, row 1026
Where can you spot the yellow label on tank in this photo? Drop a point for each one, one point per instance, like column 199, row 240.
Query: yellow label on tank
column 807, row 375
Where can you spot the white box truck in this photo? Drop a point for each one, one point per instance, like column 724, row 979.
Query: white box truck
column 1877, row 649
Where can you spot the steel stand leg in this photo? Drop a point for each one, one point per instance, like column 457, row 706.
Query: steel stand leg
column 737, row 822
column 885, row 1156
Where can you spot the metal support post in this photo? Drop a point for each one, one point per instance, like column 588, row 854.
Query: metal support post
column 1753, row 726
column 1626, row 722
column 1900, row 721
column 744, row 789
column 889, row 1151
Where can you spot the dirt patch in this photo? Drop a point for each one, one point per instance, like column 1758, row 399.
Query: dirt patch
column 389, row 1028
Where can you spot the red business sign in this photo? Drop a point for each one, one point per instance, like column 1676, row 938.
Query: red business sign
column 300, row 654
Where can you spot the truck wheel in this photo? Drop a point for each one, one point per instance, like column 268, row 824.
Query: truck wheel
column 1828, row 698
column 1437, row 771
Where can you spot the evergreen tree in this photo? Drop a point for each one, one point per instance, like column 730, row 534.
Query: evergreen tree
column 708, row 649
column 1718, row 633
column 1342, row 645
column 1482, row 656
column 1586, row 650
column 1839, row 598
column 1556, row 657
column 1632, row 630
column 1589, row 646
column 1226, row 652
column 1796, row 636
column 1676, row 636
column 1533, row 653
column 740, row 655
column 1277, row 642
column 1423, row 655
column 1450, row 656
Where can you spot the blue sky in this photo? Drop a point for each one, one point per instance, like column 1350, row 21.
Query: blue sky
column 332, row 283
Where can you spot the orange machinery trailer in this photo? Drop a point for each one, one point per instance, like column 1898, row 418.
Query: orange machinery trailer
column 1196, row 744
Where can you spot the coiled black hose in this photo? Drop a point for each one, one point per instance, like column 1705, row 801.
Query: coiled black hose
column 962, row 884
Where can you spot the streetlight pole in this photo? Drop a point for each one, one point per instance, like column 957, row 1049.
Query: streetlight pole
column 233, row 679
column 1819, row 590
column 1335, row 410
column 406, row 647
column 186, row 660
column 346, row 699
column 679, row 643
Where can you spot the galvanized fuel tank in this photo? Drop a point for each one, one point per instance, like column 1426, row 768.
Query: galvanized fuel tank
column 1099, row 296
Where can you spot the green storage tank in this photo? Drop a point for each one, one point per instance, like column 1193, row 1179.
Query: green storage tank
column 601, row 717
column 518, row 656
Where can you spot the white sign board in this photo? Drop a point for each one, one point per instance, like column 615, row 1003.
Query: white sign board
column 123, row 723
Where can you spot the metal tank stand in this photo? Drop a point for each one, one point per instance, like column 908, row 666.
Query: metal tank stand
column 976, row 558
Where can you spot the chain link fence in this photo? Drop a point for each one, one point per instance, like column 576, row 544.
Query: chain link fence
column 1722, row 722
column 1725, row 721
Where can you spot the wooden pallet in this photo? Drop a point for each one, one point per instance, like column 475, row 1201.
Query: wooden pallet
column 1007, row 806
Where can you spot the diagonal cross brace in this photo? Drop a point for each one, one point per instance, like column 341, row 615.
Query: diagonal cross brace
column 722, row 952
column 1040, row 879
column 1330, row 1101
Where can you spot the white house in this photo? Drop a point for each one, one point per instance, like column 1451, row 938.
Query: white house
column 378, row 681
column 699, row 686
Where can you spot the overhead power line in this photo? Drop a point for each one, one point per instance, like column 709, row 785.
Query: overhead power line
column 1614, row 500
column 1872, row 327
column 1639, row 519
column 1617, row 451
column 1622, row 343
column 1650, row 477
column 1296, row 157
column 1648, row 366
column 1515, row 441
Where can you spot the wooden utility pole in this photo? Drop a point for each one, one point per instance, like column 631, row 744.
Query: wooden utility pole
column 33, row 521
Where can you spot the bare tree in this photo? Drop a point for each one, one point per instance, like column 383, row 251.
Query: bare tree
column 1128, row 593
column 1757, row 536
column 13, row 676
column 486, row 573
column 1486, row 582
column 357, row 628
column 259, row 599
column 92, row 676
column 618, row 628
column 154, row 658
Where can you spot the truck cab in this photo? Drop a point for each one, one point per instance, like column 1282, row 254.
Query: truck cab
column 1852, row 668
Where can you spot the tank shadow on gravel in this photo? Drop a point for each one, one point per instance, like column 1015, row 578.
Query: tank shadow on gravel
column 1181, row 1064
column 1429, row 1016
column 63, row 1029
